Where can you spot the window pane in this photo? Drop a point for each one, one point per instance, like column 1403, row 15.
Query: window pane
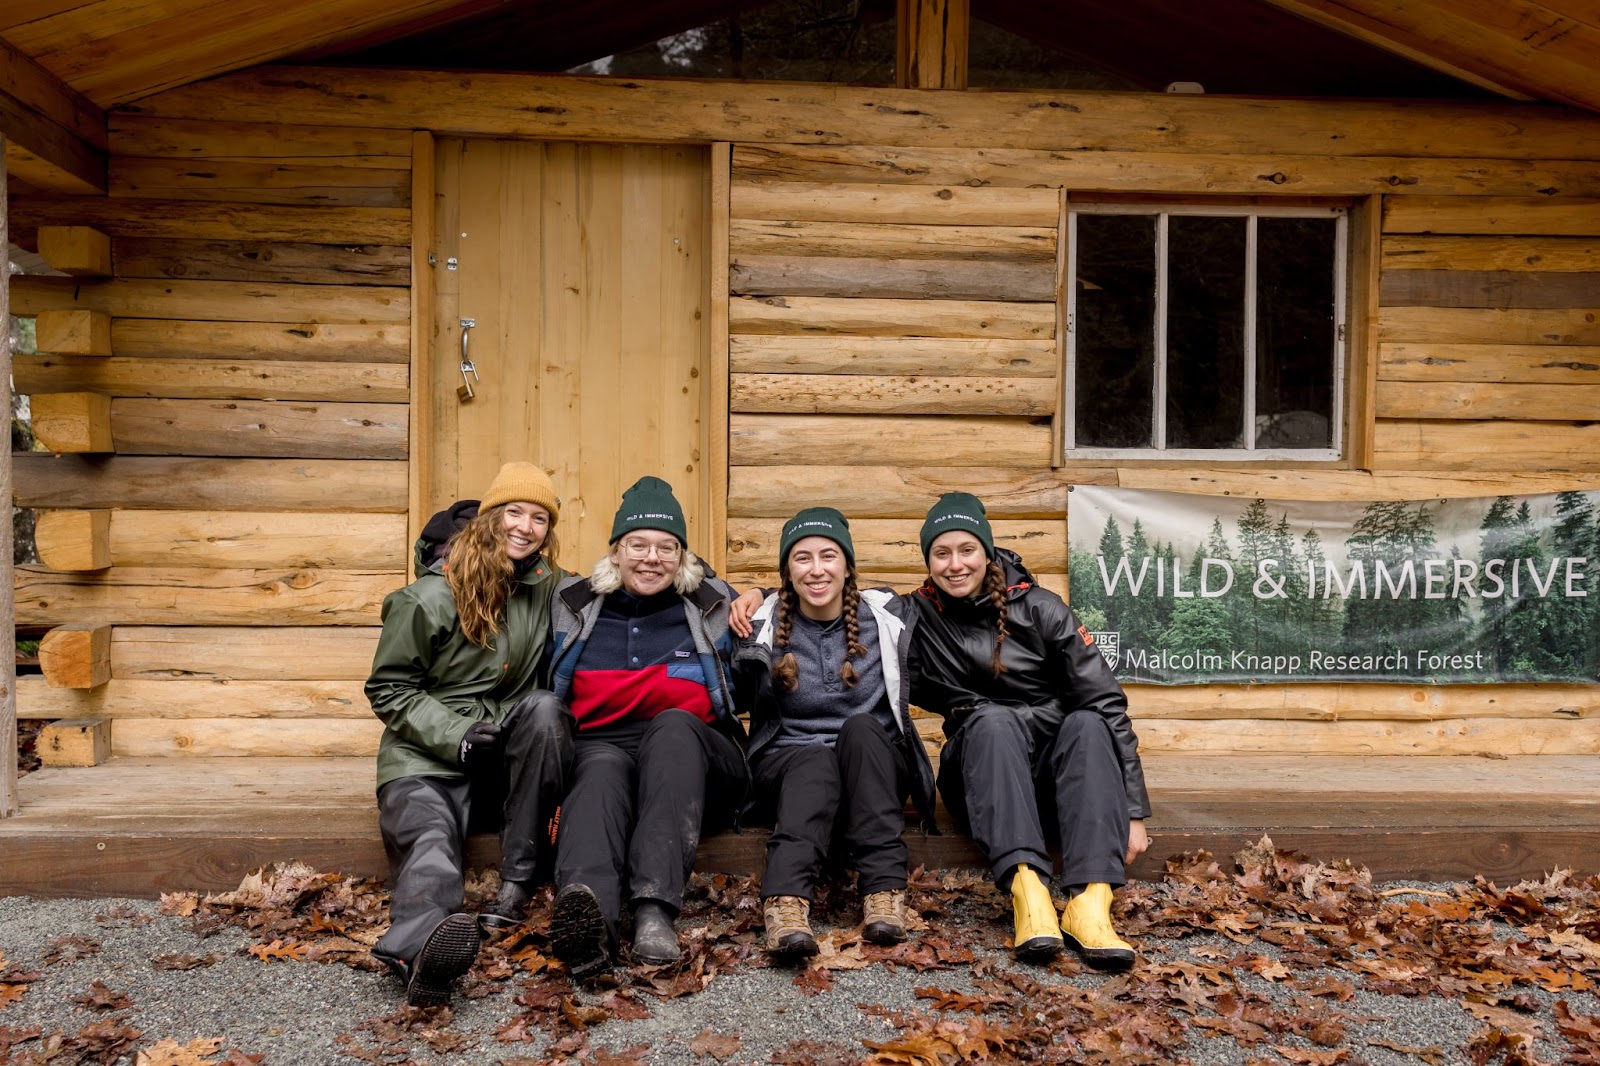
column 1294, row 332
column 1114, row 338
column 1205, row 331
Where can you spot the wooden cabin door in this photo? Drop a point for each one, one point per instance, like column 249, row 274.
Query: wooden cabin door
column 584, row 272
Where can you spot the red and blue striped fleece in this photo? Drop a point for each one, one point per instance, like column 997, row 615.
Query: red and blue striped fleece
column 640, row 660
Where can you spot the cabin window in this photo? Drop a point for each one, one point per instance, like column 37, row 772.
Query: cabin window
column 1205, row 332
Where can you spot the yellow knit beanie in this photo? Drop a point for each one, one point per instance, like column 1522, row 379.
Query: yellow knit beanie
column 522, row 481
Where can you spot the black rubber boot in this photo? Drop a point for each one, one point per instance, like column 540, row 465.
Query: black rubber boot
column 448, row 953
column 510, row 907
column 655, row 942
column 578, row 931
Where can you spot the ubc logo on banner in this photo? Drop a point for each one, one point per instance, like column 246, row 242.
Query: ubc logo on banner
column 1110, row 645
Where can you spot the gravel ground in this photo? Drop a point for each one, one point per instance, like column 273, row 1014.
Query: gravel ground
column 98, row 978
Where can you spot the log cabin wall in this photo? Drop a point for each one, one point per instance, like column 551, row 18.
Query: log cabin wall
column 894, row 335
column 893, row 332
column 249, row 509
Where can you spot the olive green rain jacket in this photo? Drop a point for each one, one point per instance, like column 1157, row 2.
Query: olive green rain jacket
column 429, row 683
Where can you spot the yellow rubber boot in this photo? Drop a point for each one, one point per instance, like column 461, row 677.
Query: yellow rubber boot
column 1036, row 938
column 1086, row 923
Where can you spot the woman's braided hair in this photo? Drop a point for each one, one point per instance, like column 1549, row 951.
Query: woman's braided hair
column 994, row 586
column 786, row 671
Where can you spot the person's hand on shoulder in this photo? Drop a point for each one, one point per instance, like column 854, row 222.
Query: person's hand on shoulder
column 742, row 610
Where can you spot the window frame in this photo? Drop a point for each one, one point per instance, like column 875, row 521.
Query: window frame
column 1341, row 213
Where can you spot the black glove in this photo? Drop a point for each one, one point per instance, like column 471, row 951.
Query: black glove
column 480, row 747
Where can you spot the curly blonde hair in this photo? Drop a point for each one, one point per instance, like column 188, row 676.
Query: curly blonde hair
column 482, row 574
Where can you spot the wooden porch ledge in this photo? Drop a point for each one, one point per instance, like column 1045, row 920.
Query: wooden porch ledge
column 138, row 827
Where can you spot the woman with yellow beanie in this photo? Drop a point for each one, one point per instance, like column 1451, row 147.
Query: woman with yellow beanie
column 468, row 739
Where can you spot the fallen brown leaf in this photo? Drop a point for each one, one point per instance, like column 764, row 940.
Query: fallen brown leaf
column 101, row 997
column 717, row 1045
column 197, row 1052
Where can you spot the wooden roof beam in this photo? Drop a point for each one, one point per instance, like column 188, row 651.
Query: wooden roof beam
column 930, row 50
column 55, row 138
column 1411, row 40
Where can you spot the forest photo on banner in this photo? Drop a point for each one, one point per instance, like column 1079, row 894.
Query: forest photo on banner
column 1179, row 589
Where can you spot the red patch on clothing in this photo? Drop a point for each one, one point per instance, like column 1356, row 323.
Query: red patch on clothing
column 602, row 697
column 1083, row 632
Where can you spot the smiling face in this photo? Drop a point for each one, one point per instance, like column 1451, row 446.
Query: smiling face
column 648, row 560
column 527, row 525
column 817, row 568
column 956, row 563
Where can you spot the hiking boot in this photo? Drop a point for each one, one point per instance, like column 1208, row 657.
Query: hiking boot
column 1086, row 924
column 578, row 931
column 1036, row 939
column 509, row 908
column 448, row 953
column 655, row 942
column 788, row 921
column 883, row 917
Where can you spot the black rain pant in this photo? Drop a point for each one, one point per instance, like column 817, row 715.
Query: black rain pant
column 637, row 808
column 425, row 821
column 864, row 778
column 1006, row 780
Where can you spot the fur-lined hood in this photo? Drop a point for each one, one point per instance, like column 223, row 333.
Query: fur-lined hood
column 606, row 577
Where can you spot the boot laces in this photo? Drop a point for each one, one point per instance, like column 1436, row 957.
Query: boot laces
column 886, row 906
column 786, row 914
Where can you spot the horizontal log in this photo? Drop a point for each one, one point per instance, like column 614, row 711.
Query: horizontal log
column 179, row 700
column 264, row 261
column 214, row 379
column 892, row 545
column 77, row 422
column 958, row 205
column 340, row 342
column 259, row 540
column 1534, row 363
column 82, row 251
column 1463, row 399
column 197, row 220
column 321, row 485
column 72, row 333
column 1359, row 485
column 243, row 653
column 1406, row 252
column 1228, row 172
column 861, row 394
column 192, row 596
column 748, row 236
column 74, row 742
column 898, row 318
column 1534, row 216
column 1453, row 325
column 893, row 492
column 924, row 279
column 1533, row 446
column 73, row 540
column 945, row 356
column 1487, row 288
column 866, row 440
column 564, row 107
column 260, row 428
column 1363, row 702
column 258, row 142
column 75, row 657
column 1458, row 736
column 205, row 737
column 228, row 301
column 221, row 181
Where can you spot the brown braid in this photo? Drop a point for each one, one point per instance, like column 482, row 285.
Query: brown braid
column 994, row 585
column 786, row 671
column 852, row 630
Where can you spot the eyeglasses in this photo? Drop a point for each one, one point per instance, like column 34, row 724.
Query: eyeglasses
column 641, row 549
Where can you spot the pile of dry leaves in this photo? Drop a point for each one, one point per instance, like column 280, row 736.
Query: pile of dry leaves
column 1311, row 934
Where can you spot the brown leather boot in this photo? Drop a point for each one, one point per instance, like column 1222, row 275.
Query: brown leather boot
column 883, row 917
column 788, row 921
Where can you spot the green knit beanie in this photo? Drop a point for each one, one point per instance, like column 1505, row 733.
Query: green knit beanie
column 649, row 504
column 957, row 510
column 817, row 522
